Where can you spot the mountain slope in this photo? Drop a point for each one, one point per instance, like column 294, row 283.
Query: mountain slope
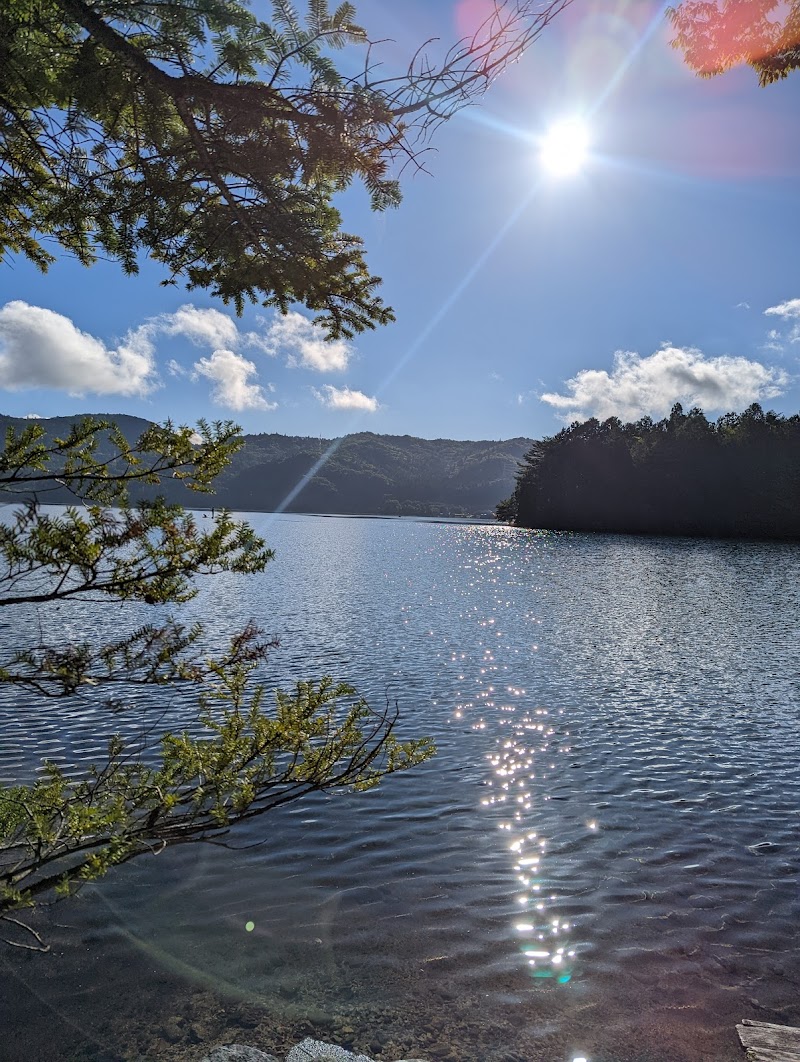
column 362, row 473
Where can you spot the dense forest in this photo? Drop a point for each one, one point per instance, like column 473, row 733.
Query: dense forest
column 365, row 473
column 684, row 475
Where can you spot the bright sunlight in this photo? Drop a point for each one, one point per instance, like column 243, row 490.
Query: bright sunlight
column 565, row 148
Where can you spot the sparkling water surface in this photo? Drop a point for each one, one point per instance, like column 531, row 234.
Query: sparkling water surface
column 602, row 860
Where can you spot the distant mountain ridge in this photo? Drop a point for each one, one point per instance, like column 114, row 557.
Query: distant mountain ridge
column 391, row 475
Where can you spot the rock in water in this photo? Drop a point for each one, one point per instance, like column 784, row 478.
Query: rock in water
column 238, row 1053
column 307, row 1051
column 315, row 1049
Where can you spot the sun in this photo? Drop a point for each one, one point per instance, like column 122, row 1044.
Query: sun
column 565, row 148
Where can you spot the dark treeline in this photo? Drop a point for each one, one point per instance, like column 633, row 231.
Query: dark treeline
column 684, row 475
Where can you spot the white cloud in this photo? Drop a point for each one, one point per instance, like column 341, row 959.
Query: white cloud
column 203, row 327
column 230, row 374
column 305, row 345
column 788, row 311
column 345, row 398
column 637, row 386
column 742, row 306
column 41, row 348
column 292, row 335
column 301, row 341
column 774, row 342
column 32, row 416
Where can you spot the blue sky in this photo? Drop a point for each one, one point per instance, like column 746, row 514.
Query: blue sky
column 523, row 300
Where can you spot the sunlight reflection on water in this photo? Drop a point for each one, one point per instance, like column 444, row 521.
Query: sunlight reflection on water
column 599, row 855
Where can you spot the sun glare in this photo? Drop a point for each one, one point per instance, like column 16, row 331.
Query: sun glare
column 565, row 148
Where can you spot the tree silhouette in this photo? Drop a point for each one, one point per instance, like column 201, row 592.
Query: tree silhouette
column 682, row 475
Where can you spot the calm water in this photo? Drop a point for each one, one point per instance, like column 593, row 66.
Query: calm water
column 602, row 860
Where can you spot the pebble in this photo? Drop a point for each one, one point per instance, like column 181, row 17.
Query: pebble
column 171, row 1030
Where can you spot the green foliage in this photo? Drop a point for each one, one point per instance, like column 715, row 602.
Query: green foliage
column 506, row 510
column 715, row 36
column 683, row 475
column 148, row 551
column 216, row 142
column 95, row 461
column 61, row 831
column 244, row 758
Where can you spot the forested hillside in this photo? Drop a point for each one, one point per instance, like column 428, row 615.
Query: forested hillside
column 363, row 473
column 366, row 473
column 684, row 475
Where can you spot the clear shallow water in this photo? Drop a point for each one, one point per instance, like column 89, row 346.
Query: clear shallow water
column 602, row 860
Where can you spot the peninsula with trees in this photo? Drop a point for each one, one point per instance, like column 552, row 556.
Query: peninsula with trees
column 736, row 477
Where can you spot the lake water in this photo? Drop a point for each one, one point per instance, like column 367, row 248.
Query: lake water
column 602, row 861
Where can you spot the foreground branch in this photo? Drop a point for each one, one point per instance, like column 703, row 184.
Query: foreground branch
column 62, row 831
column 217, row 143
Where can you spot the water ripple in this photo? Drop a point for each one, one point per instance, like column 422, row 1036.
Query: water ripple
column 604, row 855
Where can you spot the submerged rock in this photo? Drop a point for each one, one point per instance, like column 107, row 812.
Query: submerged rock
column 316, row 1049
column 239, row 1053
column 307, row 1051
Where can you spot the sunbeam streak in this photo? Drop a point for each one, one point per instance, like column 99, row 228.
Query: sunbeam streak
column 423, row 336
column 460, row 288
column 306, row 479
column 627, row 63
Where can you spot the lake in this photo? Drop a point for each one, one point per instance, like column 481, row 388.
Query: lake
column 601, row 862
